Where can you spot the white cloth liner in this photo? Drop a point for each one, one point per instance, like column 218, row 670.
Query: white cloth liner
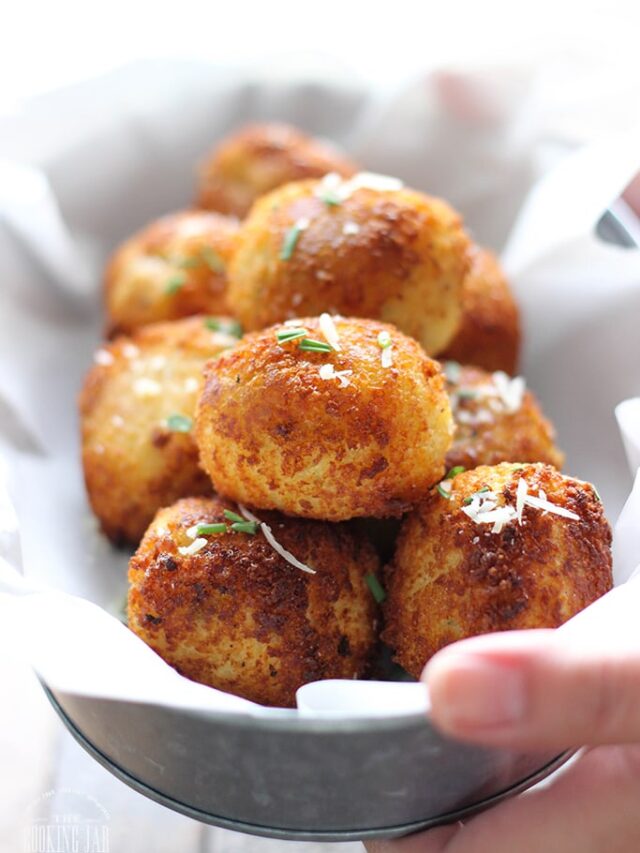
column 58, row 220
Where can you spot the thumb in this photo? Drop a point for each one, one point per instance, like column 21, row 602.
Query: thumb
column 535, row 689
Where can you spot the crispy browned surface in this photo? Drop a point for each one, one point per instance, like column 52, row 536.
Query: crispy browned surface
column 521, row 436
column 133, row 464
column 141, row 278
column 405, row 265
column 489, row 334
column 238, row 617
column 273, row 434
column 453, row 578
column 259, row 158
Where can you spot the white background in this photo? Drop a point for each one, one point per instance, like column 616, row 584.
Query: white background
column 589, row 47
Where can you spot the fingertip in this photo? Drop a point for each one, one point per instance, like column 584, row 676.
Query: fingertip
column 479, row 685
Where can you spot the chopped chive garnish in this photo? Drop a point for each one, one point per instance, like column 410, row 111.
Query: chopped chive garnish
column 233, row 516
column 290, row 335
column 458, row 469
column 443, row 492
column 179, row 423
column 384, row 340
column 250, row 527
column 212, row 259
column 208, row 529
column 376, row 588
column 291, row 239
column 481, row 491
column 222, row 324
column 174, row 284
column 467, row 394
column 597, row 494
column 330, row 198
column 240, row 524
column 310, row 345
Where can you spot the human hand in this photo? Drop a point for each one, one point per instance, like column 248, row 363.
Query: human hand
column 548, row 689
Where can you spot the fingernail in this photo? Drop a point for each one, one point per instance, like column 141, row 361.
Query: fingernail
column 472, row 692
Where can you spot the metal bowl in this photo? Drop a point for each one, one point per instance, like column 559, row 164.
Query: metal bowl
column 294, row 778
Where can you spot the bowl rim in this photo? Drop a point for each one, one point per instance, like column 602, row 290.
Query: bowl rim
column 277, row 719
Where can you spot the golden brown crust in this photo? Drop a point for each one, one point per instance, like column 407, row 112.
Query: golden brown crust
column 237, row 616
column 486, row 432
column 259, row 158
column 404, row 265
column 489, row 334
column 452, row 577
column 274, row 434
column 173, row 268
column 133, row 462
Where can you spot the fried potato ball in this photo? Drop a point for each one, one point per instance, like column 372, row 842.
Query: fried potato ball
column 259, row 158
column 228, row 610
column 358, row 431
column 389, row 254
column 136, row 409
column 173, row 268
column 466, row 564
column 496, row 420
column 489, row 334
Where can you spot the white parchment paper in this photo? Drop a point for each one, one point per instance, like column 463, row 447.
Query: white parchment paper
column 121, row 151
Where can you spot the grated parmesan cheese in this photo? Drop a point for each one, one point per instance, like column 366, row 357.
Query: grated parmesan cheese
column 350, row 228
column 328, row 329
column 483, row 507
column 327, row 371
column 329, row 183
column 343, row 189
column 386, row 358
column 521, row 496
column 473, row 418
column 144, row 387
column 271, row 539
column 103, row 357
column 193, row 548
column 369, row 181
column 502, row 395
column 510, row 391
column 547, row 506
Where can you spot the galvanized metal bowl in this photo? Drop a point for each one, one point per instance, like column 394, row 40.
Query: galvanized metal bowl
column 297, row 778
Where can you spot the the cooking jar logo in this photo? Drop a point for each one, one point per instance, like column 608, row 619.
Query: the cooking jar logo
column 67, row 821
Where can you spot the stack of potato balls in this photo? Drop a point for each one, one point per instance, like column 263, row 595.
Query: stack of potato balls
column 254, row 472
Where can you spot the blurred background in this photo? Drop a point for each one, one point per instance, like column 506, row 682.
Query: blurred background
column 569, row 72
